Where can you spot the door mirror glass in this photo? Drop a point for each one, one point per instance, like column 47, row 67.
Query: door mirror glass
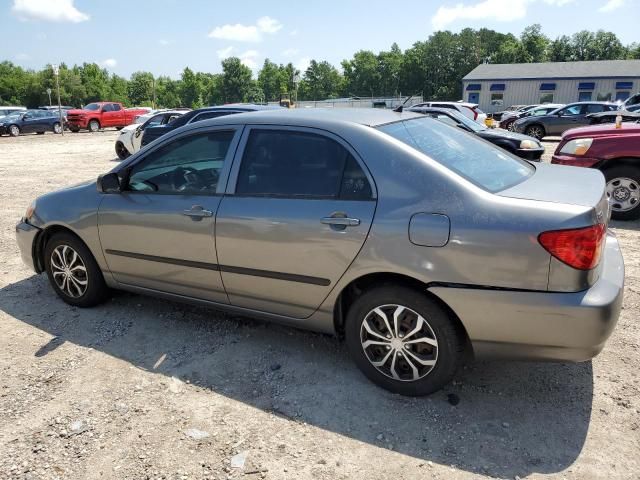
column 109, row 183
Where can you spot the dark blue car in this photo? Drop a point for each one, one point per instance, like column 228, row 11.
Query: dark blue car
column 30, row 121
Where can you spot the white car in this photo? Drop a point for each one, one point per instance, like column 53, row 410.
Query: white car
column 5, row 111
column 470, row 110
column 128, row 142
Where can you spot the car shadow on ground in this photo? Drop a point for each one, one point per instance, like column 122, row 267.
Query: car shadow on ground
column 512, row 418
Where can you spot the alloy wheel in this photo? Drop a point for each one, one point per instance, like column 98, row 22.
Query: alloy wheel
column 15, row 131
column 535, row 132
column 57, row 128
column 623, row 193
column 69, row 271
column 399, row 342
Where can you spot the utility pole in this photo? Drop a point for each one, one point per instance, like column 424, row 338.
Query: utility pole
column 49, row 93
column 56, row 73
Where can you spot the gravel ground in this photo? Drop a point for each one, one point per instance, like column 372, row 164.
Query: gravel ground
column 141, row 388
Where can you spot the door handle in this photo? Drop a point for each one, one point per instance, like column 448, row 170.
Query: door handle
column 341, row 221
column 197, row 212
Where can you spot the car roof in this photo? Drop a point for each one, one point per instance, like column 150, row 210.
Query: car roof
column 315, row 116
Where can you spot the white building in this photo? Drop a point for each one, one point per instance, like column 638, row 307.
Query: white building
column 497, row 86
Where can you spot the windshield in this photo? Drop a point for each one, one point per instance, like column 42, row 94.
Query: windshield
column 481, row 163
column 92, row 106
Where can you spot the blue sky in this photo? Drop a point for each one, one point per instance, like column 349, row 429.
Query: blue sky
column 164, row 36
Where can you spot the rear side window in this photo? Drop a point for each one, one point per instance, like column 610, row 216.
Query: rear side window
column 596, row 108
column 208, row 115
column 488, row 167
column 299, row 164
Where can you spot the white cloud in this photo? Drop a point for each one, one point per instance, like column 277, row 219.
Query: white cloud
column 109, row 63
column 22, row 56
column 224, row 52
column 497, row 10
column 303, row 64
column 268, row 25
column 48, row 10
column 612, row 5
column 290, row 52
column 247, row 33
column 249, row 58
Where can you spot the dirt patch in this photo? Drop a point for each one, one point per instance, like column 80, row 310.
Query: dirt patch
column 142, row 388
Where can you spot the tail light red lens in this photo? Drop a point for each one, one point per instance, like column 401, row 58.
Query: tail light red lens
column 579, row 248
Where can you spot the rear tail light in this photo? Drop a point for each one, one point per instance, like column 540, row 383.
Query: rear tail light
column 579, row 248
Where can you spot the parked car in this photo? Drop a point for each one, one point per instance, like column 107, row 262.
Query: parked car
column 30, row 121
column 155, row 132
column 4, row 111
column 470, row 110
column 414, row 240
column 521, row 145
column 633, row 108
column 613, row 151
column 508, row 121
column 128, row 142
column 610, row 117
column 632, row 101
column 99, row 115
column 560, row 120
column 508, row 111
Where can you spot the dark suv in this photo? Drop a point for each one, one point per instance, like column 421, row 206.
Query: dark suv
column 30, row 121
column 152, row 133
column 560, row 120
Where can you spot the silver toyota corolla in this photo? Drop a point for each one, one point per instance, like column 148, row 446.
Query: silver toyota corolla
column 415, row 240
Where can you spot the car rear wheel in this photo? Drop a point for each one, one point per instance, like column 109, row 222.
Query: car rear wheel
column 73, row 272
column 40, row 133
column 623, row 190
column 403, row 341
column 57, row 128
column 122, row 151
column 14, row 130
column 535, row 131
column 74, row 129
column 94, row 126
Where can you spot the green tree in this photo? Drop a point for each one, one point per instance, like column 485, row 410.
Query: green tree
column 321, row 81
column 361, row 73
column 560, row 50
column 236, row 80
column 272, row 79
column 390, row 67
column 191, row 90
column 535, row 43
column 168, row 92
column 141, row 89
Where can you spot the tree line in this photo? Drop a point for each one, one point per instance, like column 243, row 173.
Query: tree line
column 433, row 68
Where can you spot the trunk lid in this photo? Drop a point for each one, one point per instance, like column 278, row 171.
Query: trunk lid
column 568, row 185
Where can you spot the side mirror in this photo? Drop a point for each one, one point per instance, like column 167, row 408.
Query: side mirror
column 109, row 183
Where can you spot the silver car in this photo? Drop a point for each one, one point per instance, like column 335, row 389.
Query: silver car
column 415, row 241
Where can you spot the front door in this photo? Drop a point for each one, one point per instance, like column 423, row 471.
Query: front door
column 297, row 212
column 474, row 97
column 159, row 232
column 112, row 115
column 565, row 119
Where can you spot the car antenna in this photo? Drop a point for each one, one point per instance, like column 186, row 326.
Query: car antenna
column 400, row 108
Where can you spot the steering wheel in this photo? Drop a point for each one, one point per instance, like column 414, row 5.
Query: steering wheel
column 184, row 178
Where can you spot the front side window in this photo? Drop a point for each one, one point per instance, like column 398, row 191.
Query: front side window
column 188, row 165
column 92, row 106
column 482, row 164
column 570, row 111
column 299, row 164
column 154, row 121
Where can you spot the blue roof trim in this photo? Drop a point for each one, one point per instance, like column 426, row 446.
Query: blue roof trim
column 474, row 86
column 587, row 86
column 498, row 87
column 547, row 86
column 624, row 85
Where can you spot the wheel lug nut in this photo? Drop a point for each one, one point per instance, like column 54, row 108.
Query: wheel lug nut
column 388, row 347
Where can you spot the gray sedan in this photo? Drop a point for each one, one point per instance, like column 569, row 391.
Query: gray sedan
column 412, row 239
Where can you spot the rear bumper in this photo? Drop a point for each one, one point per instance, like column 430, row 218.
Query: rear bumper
column 574, row 161
column 25, row 236
column 530, row 154
column 542, row 325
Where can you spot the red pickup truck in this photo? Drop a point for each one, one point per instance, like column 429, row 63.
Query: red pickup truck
column 613, row 151
column 101, row 115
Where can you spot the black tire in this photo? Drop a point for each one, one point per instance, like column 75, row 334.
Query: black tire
column 615, row 175
column 446, row 330
column 96, row 290
column 40, row 133
column 14, row 130
column 93, row 125
column 56, row 128
column 536, row 131
column 119, row 128
column 122, row 151
column 74, row 129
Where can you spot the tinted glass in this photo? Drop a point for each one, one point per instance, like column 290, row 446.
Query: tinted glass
column 115, row 107
column 355, row 184
column 488, row 167
column 287, row 163
column 107, row 108
column 572, row 110
column 153, row 121
column 92, row 106
column 208, row 115
column 189, row 165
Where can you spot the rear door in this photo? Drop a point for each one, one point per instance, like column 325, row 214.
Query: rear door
column 297, row 211
column 31, row 122
column 159, row 232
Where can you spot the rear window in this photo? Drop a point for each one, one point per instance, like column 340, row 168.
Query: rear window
column 489, row 167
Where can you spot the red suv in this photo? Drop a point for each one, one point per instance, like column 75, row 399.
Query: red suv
column 613, row 151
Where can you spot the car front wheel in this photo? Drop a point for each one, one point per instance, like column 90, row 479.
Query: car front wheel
column 122, row 151
column 403, row 341
column 57, row 128
column 535, row 131
column 73, row 272
column 94, row 126
column 623, row 190
column 14, row 130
